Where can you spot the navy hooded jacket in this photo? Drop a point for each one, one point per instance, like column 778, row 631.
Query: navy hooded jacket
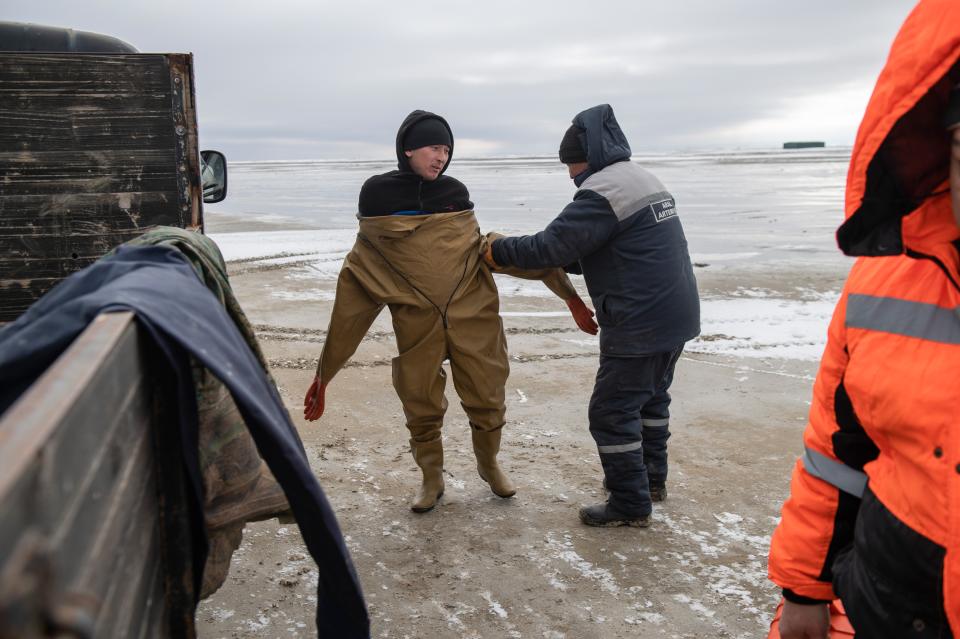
column 623, row 233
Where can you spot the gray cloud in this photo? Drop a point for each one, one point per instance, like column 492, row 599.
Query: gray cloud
column 297, row 79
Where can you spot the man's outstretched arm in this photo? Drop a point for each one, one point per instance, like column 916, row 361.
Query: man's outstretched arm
column 554, row 278
column 582, row 228
column 353, row 313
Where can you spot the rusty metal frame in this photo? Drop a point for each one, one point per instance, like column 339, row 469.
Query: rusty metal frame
column 188, row 152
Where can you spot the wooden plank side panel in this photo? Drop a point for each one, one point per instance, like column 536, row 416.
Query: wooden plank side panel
column 76, row 171
column 154, row 622
column 59, row 123
column 94, row 149
column 82, row 73
column 33, row 259
column 119, row 483
column 122, row 562
column 71, row 102
column 134, row 585
column 86, row 481
column 64, row 457
column 27, row 217
column 26, row 462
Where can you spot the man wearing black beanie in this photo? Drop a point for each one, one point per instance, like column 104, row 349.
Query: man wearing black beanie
column 418, row 252
column 424, row 150
column 622, row 232
column 571, row 150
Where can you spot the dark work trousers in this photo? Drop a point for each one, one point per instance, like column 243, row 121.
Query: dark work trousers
column 630, row 421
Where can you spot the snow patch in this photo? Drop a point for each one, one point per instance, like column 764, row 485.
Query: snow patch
column 754, row 325
column 311, row 295
column 495, row 607
column 582, row 566
column 222, row 614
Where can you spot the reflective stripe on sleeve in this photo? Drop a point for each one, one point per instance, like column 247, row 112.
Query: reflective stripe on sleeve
column 835, row 473
column 900, row 317
column 620, row 448
column 655, row 423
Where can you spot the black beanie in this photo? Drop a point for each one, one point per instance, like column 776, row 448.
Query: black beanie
column 571, row 151
column 426, row 132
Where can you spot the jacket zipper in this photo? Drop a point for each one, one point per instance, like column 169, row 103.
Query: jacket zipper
column 943, row 267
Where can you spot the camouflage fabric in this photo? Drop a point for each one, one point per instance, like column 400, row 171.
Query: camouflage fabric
column 237, row 485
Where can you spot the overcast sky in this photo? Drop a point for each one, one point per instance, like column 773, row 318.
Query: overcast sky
column 301, row 79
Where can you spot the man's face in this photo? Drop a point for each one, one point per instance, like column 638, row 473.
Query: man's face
column 428, row 161
column 577, row 168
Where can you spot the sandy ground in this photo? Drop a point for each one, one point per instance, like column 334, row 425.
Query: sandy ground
column 481, row 566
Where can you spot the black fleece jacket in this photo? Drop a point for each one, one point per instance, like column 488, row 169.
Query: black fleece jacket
column 405, row 191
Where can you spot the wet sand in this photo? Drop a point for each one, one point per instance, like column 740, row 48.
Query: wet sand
column 481, row 566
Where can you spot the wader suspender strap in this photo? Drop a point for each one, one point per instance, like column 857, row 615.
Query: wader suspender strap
column 443, row 312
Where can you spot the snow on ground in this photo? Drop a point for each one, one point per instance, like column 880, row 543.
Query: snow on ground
column 747, row 326
column 760, row 327
column 710, row 258
column 254, row 244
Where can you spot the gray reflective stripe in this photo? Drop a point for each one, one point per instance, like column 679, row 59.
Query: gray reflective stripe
column 834, row 472
column 627, row 187
column 620, row 448
column 656, row 423
column 913, row 319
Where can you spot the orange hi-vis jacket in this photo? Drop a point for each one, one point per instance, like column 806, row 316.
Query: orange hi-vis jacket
column 874, row 511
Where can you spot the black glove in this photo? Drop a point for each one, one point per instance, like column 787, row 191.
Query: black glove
column 951, row 118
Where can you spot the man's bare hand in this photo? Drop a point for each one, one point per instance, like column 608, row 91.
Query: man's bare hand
column 314, row 401
column 582, row 315
column 800, row 621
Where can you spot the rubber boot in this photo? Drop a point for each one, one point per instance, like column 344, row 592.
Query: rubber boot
column 429, row 457
column 486, row 445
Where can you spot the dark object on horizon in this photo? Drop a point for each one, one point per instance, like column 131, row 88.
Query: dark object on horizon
column 803, row 145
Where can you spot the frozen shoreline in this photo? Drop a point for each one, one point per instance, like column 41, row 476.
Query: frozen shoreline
column 779, row 322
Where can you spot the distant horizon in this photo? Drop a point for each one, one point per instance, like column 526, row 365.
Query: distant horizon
column 553, row 157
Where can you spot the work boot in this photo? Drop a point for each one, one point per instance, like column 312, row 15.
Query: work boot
column 606, row 516
column 486, row 445
column 429, row 457
column 658, row 492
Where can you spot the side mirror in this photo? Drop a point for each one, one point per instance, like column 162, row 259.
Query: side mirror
column 213, row 176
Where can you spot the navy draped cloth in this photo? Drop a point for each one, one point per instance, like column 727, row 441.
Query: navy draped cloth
column 183, row 318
